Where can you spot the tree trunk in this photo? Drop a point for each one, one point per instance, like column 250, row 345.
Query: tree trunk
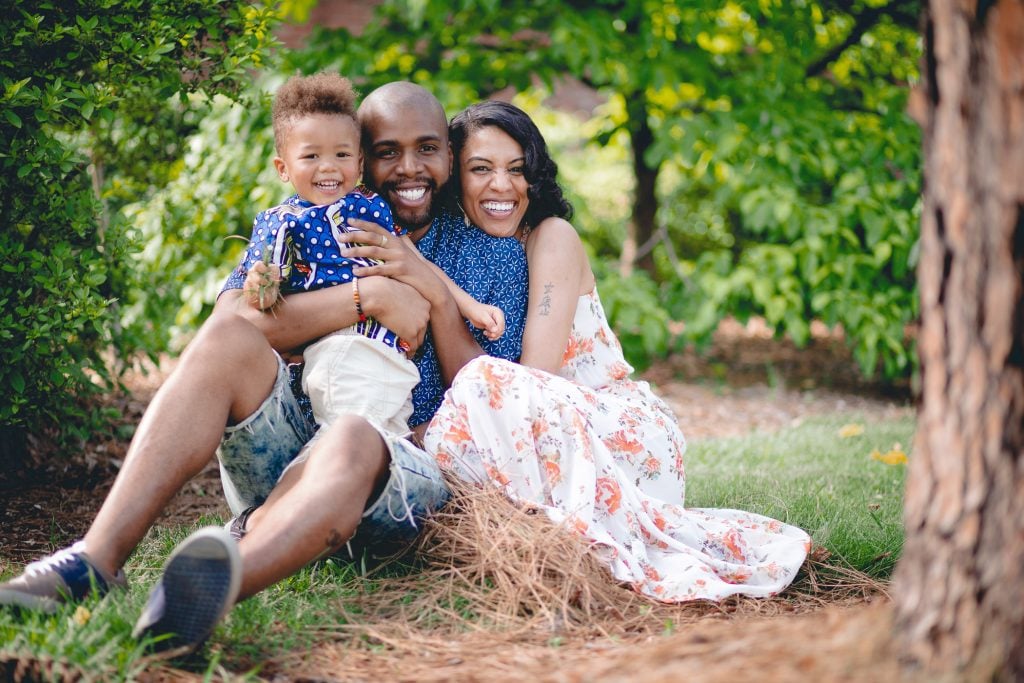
column 959, row 587
column 638, row 248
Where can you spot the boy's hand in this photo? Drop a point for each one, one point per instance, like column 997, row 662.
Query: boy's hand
column 490, row 319
column 262, row 285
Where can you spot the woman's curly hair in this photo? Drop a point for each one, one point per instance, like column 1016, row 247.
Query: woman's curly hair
column 321, row 93
column 540, row 170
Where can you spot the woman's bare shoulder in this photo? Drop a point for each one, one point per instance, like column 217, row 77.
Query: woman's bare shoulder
column 554, row 232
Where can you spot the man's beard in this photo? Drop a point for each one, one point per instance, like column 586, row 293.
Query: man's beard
column 422, row 216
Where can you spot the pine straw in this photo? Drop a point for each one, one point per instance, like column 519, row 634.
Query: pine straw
column 503, row 588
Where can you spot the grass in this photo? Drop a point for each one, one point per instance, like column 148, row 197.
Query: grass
column 807, row 475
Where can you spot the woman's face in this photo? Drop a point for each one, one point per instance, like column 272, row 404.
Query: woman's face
column 494, row 187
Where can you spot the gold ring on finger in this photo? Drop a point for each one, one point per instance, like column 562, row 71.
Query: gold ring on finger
column 383, row 240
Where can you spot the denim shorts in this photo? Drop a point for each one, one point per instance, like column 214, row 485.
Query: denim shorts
column 255, row 453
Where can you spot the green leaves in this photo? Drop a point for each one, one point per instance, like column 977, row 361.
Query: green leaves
column 86, row 93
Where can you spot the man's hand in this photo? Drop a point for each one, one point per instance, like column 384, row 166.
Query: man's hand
column 398, row 260
column 397, row 306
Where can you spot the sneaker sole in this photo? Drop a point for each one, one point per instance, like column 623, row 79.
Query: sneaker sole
column 200, row 583
column 15, row 598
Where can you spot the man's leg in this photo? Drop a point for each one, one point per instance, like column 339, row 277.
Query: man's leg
column 316, row 506
column 313, row 510
column 222, row 377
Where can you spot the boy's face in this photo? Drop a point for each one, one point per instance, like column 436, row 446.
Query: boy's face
column 408, row 161
column 321, row 157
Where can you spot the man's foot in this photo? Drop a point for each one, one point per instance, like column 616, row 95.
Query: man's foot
column 67, row 575
column 198, row 587
column 236, row 526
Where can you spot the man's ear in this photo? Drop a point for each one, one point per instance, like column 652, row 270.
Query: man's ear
column 451, row 159
column 282, row 169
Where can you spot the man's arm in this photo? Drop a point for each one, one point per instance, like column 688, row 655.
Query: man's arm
column 303, row 317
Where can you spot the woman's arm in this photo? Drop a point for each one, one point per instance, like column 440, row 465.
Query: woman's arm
column 559, row 274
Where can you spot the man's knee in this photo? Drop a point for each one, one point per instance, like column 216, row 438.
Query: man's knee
column 232, row 353
column 226, row 334
column 352, row 449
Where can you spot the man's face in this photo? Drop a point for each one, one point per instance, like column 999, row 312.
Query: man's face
column 408, row 160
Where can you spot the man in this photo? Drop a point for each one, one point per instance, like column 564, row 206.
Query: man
column 297, row 498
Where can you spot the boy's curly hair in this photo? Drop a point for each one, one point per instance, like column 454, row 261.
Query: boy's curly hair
column 321, row 93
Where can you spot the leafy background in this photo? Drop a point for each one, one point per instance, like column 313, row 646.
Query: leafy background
column 739, row 158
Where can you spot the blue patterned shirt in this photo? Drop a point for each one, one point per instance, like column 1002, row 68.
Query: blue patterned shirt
column 490, row 269
column 302, row 239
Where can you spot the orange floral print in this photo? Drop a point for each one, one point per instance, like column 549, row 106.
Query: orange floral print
column 444, row 460
column 652, row 466
column 578, row 525
column 624, row 443
column 603, row 455
column 609, row 494
column 496, row 475
column 650, row 573
column 496, row 385
column 732, row 540
column 553, row 471
column 618, row 371
column 733, row 576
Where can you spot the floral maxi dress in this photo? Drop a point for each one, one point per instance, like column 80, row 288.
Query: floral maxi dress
column 601, row 454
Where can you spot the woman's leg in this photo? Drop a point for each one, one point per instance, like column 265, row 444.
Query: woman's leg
column 223, row 376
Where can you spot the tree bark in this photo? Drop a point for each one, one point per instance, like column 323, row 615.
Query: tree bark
column 638, row 248
column 959, row 587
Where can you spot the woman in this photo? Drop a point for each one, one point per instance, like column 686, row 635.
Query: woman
column 568, row 430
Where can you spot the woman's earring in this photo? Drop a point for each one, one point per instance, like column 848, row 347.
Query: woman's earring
column 465, row 218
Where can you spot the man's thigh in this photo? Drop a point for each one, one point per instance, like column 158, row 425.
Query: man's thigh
column 254, row 452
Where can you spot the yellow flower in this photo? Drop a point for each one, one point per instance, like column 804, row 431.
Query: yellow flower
column 895, row 455
column 850, row 430
column 81, row 615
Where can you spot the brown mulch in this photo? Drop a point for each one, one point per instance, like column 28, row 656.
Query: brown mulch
column 559, row 618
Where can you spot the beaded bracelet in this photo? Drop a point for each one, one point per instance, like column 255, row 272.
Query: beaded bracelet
column 355, row 297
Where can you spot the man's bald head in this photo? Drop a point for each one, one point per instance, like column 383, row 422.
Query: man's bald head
column 405, row 148
column 397, row 99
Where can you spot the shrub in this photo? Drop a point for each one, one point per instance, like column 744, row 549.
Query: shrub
column 75, row 77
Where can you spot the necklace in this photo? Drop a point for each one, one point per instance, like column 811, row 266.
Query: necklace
column 522, row 235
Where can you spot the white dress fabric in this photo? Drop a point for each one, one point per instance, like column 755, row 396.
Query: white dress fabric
column 601, row 454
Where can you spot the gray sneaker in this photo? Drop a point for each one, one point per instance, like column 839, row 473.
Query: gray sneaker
column 66, row 576
column 198, row 587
